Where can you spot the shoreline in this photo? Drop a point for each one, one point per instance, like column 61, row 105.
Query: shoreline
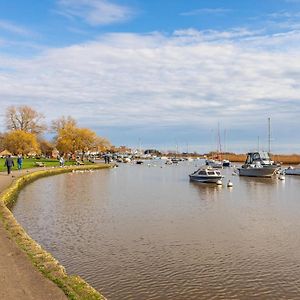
column 15, row 240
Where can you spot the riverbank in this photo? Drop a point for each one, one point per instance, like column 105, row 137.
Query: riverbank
column 22, row 258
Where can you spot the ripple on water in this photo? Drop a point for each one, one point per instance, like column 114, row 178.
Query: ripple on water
column 147, row 233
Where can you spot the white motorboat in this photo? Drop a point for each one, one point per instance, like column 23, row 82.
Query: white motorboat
column 292, row 170
column 258, row 164
column 226, row 163
column 206, row 175
column 214, row 163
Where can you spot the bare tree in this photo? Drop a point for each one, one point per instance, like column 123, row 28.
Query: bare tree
column 24, row 118
column 62, row 123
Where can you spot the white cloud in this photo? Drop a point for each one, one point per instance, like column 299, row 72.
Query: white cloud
column 95, row 12
column 15, row 29
column 190, row 78
column 206, row 11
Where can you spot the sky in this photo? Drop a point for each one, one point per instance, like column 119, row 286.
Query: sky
column 165, row 74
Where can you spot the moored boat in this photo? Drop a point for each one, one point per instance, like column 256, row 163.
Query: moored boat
column 206, row 175
column 226, row 163
column 214, row 163
column 292, row 170
column 258, row 164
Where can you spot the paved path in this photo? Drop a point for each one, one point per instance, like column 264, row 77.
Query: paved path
column 19, row 279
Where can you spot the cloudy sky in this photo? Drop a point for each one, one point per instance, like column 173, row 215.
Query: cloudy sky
column 160, row 73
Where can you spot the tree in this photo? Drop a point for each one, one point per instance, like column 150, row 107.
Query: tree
column 70, row 138
column 19, row 141
column 63, row 122
column 24, row 118
column 1, row 141
column 46, row 147
column 102, row 144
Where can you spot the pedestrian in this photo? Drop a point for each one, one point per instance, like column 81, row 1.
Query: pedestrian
column 20, row 161
column 9, row 163
column 61, row 161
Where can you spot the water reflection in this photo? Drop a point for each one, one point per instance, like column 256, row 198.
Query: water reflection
column 140, row 232
column 206, row 191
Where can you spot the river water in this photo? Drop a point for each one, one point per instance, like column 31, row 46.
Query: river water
column 147, row 232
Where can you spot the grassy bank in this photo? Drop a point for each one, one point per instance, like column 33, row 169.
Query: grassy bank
column 29, row 163
column 73, row 286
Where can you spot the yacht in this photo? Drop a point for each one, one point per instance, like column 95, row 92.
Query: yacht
column 206, row 175
column 258, row 164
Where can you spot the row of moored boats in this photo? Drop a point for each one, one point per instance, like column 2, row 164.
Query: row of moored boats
column 257, row 164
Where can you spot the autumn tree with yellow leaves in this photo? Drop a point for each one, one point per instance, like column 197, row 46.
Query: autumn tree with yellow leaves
column 19, row 141
column 71, row 139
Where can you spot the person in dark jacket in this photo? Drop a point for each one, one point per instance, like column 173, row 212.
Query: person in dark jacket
column 9, row 163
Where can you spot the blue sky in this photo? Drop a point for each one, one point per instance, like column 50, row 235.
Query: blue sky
column 163, row 72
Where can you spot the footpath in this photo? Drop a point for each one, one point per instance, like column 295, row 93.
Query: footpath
column 19, row 279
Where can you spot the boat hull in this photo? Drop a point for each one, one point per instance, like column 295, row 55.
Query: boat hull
column 205, row 179
column 295, row 171
column 257, row 172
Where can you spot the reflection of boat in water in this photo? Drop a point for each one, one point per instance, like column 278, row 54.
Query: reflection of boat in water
column 292, row 171
column 206, row 175
column 258, row 164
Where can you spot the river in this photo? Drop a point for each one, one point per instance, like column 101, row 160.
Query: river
column 147, row 232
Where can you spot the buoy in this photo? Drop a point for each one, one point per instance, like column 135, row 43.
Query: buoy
column 219, row 182
column 281, row 177
column 229, row 184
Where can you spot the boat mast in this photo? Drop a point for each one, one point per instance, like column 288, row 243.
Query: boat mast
column 269, row 134
column 219, row 139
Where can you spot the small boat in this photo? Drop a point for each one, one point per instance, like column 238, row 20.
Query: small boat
column 139, row 162
column 214, row 163
column 292, row 171
column 175, row 160
column 206, row 175
column 226, row 163
column 258, row 164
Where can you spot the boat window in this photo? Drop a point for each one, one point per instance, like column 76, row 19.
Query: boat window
column 202, row 173
column 256, row 156
column 211, row 173
column 264, row 155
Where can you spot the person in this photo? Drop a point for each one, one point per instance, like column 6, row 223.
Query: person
column 20, row 161
column 61, row 161
column 9, row 163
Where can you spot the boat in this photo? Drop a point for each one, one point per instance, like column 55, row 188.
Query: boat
column 139, row 162
column 206, row 175
column 292, row 170
column 258, row 164
column 214, row 163
column 226, row 163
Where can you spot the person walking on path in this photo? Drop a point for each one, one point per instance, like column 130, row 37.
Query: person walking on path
column 20, row 161
column 9, row 163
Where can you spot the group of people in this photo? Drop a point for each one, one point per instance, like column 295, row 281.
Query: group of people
column 9, row 163
column 106, row 159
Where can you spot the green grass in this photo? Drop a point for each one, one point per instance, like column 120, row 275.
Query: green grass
column 30, row 163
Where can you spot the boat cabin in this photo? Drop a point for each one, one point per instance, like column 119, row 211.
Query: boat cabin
column 261, row 157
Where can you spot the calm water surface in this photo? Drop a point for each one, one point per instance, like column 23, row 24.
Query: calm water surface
column 140, row 232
